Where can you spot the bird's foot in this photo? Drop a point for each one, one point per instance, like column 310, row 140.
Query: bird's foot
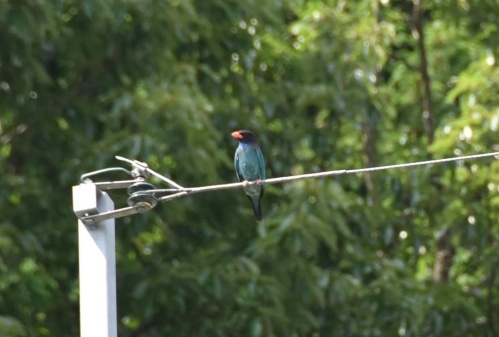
column 258, row 182
column 246, row 183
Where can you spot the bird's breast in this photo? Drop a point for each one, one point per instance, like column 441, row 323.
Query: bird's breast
column 249, row 163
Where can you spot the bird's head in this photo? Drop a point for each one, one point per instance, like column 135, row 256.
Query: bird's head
column 244, row 136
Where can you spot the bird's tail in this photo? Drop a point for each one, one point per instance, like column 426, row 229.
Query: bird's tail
column 257, row 208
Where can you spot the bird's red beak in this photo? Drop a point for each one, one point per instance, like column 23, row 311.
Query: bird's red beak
column 237, row 135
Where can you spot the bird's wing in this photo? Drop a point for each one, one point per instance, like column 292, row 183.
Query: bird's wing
column 261, row 163
column 236, row 165
column 261, row 168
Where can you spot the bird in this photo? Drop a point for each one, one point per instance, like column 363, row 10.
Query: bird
column 250, row 166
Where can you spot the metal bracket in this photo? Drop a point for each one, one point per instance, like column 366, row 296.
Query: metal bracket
column 86, row 205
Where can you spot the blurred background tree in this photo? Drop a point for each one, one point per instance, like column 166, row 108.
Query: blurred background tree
column 324, row 85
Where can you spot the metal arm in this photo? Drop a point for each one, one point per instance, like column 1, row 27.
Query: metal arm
column 86, row 205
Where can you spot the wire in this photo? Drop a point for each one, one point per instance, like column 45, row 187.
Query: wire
column 146, row 167
column 180, row 192
column 109, row 169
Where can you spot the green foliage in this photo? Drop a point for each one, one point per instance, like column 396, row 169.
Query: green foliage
column 325, row 85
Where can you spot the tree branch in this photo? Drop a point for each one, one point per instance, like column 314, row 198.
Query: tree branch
column 426, row 100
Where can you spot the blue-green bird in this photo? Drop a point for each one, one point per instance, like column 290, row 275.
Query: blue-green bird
column 250, row 166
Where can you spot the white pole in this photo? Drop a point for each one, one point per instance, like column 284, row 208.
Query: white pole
column 97, row 262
